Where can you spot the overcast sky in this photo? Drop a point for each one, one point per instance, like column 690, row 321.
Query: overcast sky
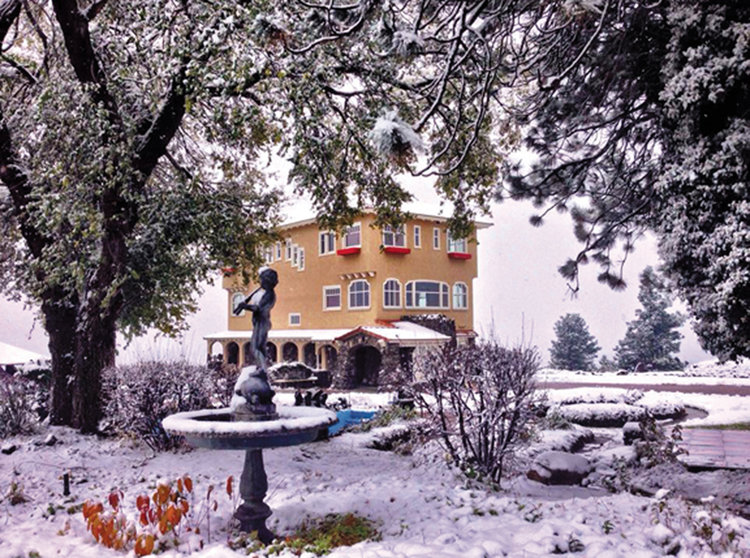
column 518, row 290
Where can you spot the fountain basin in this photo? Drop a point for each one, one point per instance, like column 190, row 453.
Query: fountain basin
column 215, row 429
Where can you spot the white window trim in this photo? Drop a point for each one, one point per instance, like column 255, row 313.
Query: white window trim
column 466, row 292
column 436, row 238
column 400, row 293
column 440, row 295
column 402, row 229
column 417, row 236
column 333, row 248
column 279, row 251
column 343, row 236
column 295, row 255
column 449, row 241
column 349, row 295
column 341, row 301
column 298, row 315
column 301, row 259
column 231, row 302
column 288, row 250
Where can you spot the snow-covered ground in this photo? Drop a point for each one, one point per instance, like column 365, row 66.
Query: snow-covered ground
column 710, row 372
column 422, row 508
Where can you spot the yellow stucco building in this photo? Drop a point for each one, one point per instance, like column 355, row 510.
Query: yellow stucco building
column 360, row 303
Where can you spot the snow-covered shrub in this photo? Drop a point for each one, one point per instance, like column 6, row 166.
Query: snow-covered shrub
column 604, row 395
column 601, row 414
column 658, row 446
column 139, row 396
column 17, row 406
column 663, row 408
column 479, row 401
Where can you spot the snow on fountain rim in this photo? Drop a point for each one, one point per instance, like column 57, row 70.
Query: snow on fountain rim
column 291, row 419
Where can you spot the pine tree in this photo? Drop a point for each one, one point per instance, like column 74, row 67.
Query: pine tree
column 652, row 338
column 575, row 348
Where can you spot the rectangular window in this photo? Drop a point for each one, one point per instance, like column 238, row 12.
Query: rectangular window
column 278, row 251
column 417, row 236
column 295, row 255
column 353, row 236
column 301, row 259
column 268, row 254
column 456, row 244
column 327, row 243
column 332, row 297
column 436, row 238
column 288, row 244
column 394, row 237
column 295, row 319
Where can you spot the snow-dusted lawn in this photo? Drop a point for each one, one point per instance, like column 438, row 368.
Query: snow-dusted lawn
column 422, row 508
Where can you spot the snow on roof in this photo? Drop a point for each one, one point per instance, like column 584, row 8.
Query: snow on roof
column 10, row 354
column 302, row 214
column 398, row 331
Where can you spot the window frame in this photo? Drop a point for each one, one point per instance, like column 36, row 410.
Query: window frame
column 327, row 308
column 279, row 251
column 295, row 255
column 330, row 244
column 301, row 259
column 298, row 315
column 451, row 243
column 394, row 234
column 465, row 295
column 443, row 294
column 436, row 238
column 345, row 235
column 417, row 236
column 288, row 250
column 368, row 293
column 386, row 292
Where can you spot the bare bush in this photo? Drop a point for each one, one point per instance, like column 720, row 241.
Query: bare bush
column 480, row 400
column 139, row 396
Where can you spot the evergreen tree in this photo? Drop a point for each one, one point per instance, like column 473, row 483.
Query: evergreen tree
column 652, row 338
column 575, row 348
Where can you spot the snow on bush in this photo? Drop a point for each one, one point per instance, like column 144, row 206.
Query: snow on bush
column 479, row 401
column 17, row 406
column 603, row 395
column 601, row 414
column 139, row 396
column 663, row 408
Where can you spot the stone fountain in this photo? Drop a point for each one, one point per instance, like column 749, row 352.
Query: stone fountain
column 253, row 422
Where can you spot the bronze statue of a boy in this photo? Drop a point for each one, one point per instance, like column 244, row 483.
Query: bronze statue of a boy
column 256, row 390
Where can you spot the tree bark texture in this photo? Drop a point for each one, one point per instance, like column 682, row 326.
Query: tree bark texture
column 60, row 325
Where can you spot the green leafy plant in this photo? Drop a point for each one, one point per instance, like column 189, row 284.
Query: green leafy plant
column 323, row 535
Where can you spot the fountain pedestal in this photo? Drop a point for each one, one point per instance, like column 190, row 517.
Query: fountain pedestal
column 253, row 511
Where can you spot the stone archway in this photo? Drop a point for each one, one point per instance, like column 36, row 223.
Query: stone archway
column 366, row 363
column 233, row 353
column 271, row 353
column 329, row 357
column 309, row 356
column 290, row 352
column 247, row 354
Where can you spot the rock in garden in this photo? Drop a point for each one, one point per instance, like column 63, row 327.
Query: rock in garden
column 7, row 449
column 559, row 467
column 50, row 440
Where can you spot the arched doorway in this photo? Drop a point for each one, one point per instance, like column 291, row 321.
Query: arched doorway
column 367, row 361
column 308, row 352
column 290, row 352
column 247, row 353
column 271, row 353
column 233, row 353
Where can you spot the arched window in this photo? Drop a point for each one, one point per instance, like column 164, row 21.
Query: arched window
column 359, row 294
column 460, row 296
column 392, row 294
column 238, row 298
column 427, row 294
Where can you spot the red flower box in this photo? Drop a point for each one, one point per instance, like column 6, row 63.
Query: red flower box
column 348, row 251
column 459, row 255
column 396, row 250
